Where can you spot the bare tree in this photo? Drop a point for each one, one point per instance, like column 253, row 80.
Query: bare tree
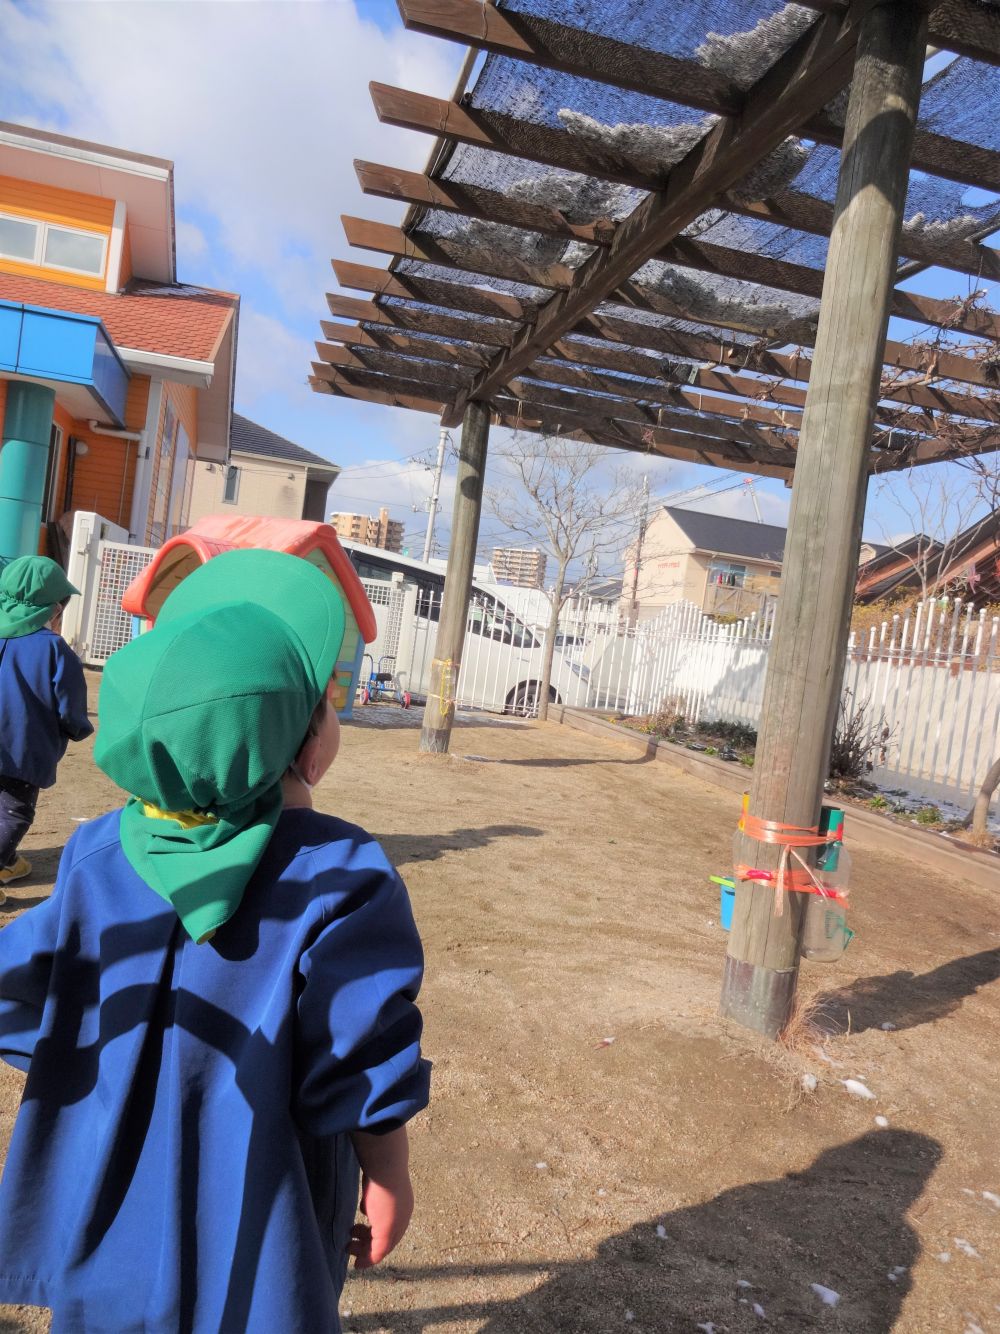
column 561, row 498
column 941, row 505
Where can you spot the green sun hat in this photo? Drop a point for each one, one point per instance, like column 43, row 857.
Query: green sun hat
column 201, row 716
column 31, row 589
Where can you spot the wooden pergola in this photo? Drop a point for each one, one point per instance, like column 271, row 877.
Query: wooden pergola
column 623, row 236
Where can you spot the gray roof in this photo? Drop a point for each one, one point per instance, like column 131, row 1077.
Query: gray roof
column 247, row 437
column 715, row 533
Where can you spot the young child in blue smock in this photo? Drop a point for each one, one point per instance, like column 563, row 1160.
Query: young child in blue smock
column 43, row 698
column 215, row 1009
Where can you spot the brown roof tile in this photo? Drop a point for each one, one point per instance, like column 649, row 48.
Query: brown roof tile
column 176, row 321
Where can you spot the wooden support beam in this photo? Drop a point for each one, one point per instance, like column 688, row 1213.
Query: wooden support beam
column 590, row 55
column 462, row 354
column 804, row 675
column 806, row 213
column 657, row 381
column 623, row 421
column 744, row 266
column 439, row 711
column 558, row 148
column 368, row 391
column 416, row 319
column 447, row 378
column 966, row 27
column 456, row 296
column 624, row 339
column 558, row 46
column 406, row 287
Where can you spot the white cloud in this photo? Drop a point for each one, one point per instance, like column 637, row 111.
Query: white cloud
column 262, row 107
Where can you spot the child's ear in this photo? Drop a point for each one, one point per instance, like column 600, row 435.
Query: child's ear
column 307, row 761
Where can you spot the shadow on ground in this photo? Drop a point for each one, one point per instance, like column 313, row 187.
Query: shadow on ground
column 841, row 1223
column 403, row 848
column 561, row 763
column 904, row 999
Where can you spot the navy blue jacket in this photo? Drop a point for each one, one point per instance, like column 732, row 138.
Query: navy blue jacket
column 43, row 706
column 177, row 1163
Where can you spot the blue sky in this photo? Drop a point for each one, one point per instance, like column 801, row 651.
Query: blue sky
column 263, row 107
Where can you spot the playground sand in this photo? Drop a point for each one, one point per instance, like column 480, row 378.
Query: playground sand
column 601, row 1152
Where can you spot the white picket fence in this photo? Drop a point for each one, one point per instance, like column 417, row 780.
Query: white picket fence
column 932, row 678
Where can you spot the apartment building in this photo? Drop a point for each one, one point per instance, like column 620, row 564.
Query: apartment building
column 370, row 532
column 522, row 567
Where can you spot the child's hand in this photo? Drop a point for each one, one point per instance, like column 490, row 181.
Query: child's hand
column 388, row 1210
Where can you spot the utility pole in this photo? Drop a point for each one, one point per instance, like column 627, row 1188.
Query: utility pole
column 643, row 523
column 435, row 493
column 805, row 670
column 753, row 496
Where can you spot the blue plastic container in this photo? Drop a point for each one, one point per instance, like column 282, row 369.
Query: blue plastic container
column 727, row 897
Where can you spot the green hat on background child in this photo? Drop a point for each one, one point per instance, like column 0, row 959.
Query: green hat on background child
column 201, row 716
column 31, row 589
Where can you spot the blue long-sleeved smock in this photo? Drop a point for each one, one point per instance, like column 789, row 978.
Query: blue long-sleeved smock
column 43, row 706
column 178, row 1160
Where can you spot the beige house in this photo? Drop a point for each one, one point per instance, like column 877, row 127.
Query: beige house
column 266, row 475
column 727, row 567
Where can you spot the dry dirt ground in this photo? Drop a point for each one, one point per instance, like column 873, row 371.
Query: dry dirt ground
column 601, row 1152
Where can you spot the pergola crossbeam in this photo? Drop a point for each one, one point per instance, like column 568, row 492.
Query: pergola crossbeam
column 559, row 148
column 747, row 267
column 558, row 46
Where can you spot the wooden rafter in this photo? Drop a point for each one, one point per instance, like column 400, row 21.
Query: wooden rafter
column 624, row 338
column 558, row 148
column 589, row 55
column 662, row 399
column 553, row 417
column 747, row 267
column 456, row 296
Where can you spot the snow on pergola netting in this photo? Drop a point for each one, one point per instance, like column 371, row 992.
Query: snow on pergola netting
column 630, row 141
column 648, row 135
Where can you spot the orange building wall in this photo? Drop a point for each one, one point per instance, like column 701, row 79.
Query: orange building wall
column 104, row 476
column 48, row 203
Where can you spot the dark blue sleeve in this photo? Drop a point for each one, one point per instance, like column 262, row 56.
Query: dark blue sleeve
column 359, row 1028
column 69, row 689
column 27, row 947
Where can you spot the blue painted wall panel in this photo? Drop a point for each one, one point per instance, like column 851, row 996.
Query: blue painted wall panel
column 58, row 345
column 109, row 375
column 57, row 348
column 10, row 335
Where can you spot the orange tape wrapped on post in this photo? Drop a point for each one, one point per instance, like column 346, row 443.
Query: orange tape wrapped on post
column 788, row 838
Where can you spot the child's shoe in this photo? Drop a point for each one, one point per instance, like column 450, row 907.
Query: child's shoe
column 18, row 871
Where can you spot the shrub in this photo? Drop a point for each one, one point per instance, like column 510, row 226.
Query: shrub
column 860, row 740
column 928, row 815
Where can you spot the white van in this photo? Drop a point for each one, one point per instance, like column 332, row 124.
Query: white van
column 505, row 635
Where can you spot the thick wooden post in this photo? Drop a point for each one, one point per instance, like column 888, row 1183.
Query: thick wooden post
column 439, row 712
column 805, row 670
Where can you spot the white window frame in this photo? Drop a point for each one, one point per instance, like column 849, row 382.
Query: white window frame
column 41, row 234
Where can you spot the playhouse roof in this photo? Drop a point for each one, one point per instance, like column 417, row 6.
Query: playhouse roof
column 218, row 532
